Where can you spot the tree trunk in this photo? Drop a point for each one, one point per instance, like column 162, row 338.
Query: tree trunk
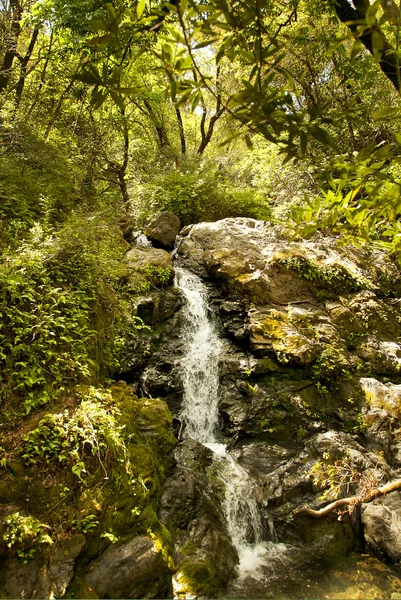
column 42, row 77
column 11, row 50
column 388, row 60
column 159, row 126
column 207, row 135
column 181, row 130
column 58, row 109
column 24, row 64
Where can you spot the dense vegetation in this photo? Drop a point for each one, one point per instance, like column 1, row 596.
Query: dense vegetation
column 112, row 111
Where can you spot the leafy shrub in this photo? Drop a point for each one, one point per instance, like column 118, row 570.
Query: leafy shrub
column 37, row 182
column 92, row 430
column 24, row 533
column 56, row 295
column 199, row 195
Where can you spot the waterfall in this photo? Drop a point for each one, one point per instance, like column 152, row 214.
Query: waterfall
column 199, row 414
column 200, row 374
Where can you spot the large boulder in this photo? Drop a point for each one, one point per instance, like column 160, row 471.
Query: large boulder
column 140, row 258
column 134, row 570
column 163, row 229
column 203, row 551
column 382, row 526
column 44, row 579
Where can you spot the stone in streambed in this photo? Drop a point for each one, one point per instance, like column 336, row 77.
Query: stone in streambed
column 163, row 229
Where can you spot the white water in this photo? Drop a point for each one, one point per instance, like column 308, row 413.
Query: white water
column 140, row 239
column 200, row 419
column 200, row 370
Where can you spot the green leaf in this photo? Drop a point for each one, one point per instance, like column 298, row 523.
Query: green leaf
column 118, row 100
column 88, row 77
column 167, row 52
column 248, row 142
column 372, row 12
column 205, row 44
column 140, row 8
column 377, row 44
column 127, row 90
column 101, row 40
column 391, row 111
column 356, row 49
column 322, row 136
column 98, row 25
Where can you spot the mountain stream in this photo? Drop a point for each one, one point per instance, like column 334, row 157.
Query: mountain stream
column 267, row 569
column 199, row 415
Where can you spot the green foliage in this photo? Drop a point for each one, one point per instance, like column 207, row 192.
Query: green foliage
column 92, row 430
column 361, row 198
column 25, row 533
column 88, row 523
column 37, row 182
column 331, row 363
column 336, row 278
column 147, row 278
column 200, row 195
column 360, row 424
column 335, row 476
column 52, row 292
column 45, row 333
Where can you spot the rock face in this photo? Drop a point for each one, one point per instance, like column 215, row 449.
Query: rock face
column 382, row 526
column 203, row 551
column 163, row 229
column 310, row 330
column 34, row 579
column 135, row 570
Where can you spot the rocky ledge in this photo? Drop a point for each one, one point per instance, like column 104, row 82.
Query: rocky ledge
column 310, row 376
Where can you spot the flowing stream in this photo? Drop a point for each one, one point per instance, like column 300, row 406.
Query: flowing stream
column 266, row 569
column 200, row 419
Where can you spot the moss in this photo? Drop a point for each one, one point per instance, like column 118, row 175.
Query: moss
column 335, row 278
column 199, row 577
column 118, row 493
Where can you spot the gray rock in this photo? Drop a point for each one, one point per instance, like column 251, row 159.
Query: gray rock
column 203, row 551
column 193, row 455
column 140, row 258
column 163, row 229
column 44, row 580
column 382, row 529
column 135, row 570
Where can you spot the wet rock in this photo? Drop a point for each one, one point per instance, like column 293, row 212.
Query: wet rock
column 163, row 229
column 135, row 570
column 193, row 455
column 192, row 512
column 158, row 306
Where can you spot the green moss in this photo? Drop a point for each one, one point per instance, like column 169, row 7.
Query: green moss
column 117, row 450
column 335, row 278
column 199, row 577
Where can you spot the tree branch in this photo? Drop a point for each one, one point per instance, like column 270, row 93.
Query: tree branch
column 344, row 502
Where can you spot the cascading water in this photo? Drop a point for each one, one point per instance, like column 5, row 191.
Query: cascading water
column 200, row 373
column 200, row 418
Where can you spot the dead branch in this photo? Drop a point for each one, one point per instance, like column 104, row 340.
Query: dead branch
column 344, row 502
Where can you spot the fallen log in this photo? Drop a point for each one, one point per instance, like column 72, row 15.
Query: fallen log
column 351, row 500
